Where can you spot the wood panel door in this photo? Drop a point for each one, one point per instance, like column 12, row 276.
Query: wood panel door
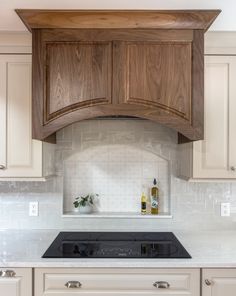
column 158, row 75
column 78, row 75
column 18, row 284
column 20, row 156
column 219, row 282
column 215, row 157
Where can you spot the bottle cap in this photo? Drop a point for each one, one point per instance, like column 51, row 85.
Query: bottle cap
column 155, row 181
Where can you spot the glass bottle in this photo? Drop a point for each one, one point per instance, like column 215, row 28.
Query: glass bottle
column 154, row 198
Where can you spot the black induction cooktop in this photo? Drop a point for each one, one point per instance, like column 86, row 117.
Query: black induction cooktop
column 116, row 245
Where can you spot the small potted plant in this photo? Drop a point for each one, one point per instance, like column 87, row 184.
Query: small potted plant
column 84, row 204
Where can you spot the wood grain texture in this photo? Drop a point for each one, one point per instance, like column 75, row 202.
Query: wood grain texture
column 152, row 74
column 197, row 106
column 159, row 75
column 78, row 75
column 38, row 90
column 72, row 35
column 135, row 110
column 37, row 84
column 156, row 19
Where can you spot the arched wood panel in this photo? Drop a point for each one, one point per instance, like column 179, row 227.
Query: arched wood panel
column 158, row 75
column 77, row 75
column 88, row 74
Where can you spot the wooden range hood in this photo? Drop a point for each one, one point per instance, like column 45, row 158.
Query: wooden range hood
column 147, row 64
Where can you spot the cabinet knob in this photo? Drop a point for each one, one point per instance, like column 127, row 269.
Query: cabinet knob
column 7, row 273
column 208, row 282
column 73, row 284
column 2, row 167
column 161, row 285
column 233, row 168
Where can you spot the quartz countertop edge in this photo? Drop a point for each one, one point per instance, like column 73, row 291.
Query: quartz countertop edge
column 209, row 249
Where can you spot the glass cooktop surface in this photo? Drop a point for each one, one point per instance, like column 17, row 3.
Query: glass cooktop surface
column 116, row 245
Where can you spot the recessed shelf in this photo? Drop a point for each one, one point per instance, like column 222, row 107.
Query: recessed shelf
column 124, row 215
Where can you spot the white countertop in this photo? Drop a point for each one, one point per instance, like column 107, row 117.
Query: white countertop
column 24, row 248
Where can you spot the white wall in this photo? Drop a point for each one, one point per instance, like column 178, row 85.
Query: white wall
column 9, row 21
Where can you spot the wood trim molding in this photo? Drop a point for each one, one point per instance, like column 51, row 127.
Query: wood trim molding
column 220, row 43
column 114, row 19
column 15, row 43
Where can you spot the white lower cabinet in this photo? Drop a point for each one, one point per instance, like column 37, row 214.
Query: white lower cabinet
column 117, row 282
column 219, row 282
column 16, row 282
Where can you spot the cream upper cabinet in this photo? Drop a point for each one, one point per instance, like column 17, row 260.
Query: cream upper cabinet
column 20, row 156
column 215, row 156
column 116, row 282
column 15, row 282
column 219, row 282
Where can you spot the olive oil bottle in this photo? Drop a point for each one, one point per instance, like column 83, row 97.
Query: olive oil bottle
column 154, row 198
column 143, row 204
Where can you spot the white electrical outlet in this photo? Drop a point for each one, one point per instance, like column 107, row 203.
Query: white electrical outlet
column 225, row 209
column 33, row 208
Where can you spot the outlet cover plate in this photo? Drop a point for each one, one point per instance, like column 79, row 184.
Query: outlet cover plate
column 33, row 208
column 225, row 209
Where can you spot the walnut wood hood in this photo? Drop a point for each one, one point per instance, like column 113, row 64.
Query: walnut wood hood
column 147, row 64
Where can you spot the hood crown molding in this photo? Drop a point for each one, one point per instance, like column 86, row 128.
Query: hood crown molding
column 118, row 19
column 98, row 63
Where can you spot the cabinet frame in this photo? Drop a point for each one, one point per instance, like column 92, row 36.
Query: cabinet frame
column 15, row 166
column 191, row 125
column 213, row 278
column 197, row 163
column 22, row 282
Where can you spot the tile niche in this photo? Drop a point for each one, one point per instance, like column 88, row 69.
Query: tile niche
column 116, row 159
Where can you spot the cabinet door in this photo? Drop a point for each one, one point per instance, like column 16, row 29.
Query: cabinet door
column 219, row 282
column 20, row 156
column 215, row 157
column 19, row 284
column 117, row 282
column 78, row 75
column 158, row 74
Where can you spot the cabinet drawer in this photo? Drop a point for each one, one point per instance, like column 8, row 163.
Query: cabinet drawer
column 117, row 282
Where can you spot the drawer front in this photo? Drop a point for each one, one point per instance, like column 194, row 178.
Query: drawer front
column 117, row 282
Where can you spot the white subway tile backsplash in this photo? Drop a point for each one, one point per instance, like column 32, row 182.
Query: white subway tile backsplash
column 117, row 170
column 115, row 158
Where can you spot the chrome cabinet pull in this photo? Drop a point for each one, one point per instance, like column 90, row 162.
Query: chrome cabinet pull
column 73, row 284
column 161, row 285
column 233, row 168
column 208, row 282
column 2, row 167
column 7, row 273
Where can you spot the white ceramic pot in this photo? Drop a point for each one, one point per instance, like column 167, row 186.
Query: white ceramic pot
column 84, row 210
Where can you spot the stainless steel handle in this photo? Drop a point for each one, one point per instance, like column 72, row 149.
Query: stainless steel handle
column 208, row 282
column 2, row 167
column 73, row 284
column 7, row 273
column 161, row 285
column 233, row 168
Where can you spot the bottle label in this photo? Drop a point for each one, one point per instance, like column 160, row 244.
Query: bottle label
column 154, row 203
column 143, row 205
